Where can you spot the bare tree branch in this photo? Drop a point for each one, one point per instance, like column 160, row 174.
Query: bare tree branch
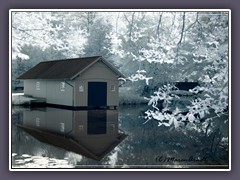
column 159, row 24
column 130, row 23
column 25, row 30
column 183, row 26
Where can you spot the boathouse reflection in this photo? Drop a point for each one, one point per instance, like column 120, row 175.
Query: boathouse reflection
column 91, row 133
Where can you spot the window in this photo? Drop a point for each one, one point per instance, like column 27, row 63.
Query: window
column 62, row 127
column 62, row 86
column 37, row 121
column 112, row 87
column 80, row 127
column 81, row 88
column 38, row 86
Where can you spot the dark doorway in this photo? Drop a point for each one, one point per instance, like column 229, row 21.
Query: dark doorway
column 97, row 122
column 97, row 94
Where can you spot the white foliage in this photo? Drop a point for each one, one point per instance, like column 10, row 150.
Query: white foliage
column 116, row 45
column 22, row 56
column 44, row 30
column 190, row 117
column 139, row 76
column 113, row 157
column 202, row 54
column 74, row 45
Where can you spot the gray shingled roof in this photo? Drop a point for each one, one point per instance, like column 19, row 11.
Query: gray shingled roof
column 63, row 69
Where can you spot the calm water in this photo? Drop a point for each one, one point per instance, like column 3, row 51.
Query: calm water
column 57, row 138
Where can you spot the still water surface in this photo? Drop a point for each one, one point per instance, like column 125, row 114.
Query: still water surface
column 58, row 138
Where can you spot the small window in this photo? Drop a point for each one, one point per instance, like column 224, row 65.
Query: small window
column 81, row 88
column 62, row 127
column 37, row 121
column 62, row 86
column 38, row 86
column 112, row 87
column 80, row 127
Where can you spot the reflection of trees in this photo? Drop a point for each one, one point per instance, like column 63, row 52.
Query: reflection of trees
column 146, row 141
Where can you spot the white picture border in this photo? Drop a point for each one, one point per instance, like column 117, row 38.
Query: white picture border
column 114, row 10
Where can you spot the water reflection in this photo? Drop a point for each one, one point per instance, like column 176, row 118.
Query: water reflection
column 91, row 133
column 95, row 133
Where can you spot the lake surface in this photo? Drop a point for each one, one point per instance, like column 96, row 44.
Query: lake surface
column 58, row 138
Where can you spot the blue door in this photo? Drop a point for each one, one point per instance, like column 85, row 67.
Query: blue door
column 97, row 94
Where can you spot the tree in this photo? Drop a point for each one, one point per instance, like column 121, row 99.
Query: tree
column 157, row 48
column 98, row 43
column 47, row 30
column 209, row 44
column 174, row 47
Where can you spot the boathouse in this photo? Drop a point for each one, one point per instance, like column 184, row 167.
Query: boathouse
column 79, row 82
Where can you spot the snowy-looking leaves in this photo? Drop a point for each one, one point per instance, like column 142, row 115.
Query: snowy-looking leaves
column 153, row 49
column 140, row 75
